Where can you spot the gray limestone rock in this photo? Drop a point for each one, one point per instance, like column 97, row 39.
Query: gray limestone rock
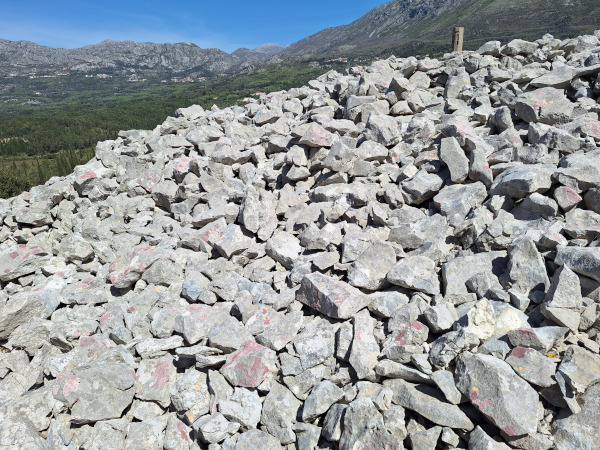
column 580, row 368
column 177, row 435
column 384, row 130
column 546, row 105
column 284, row 248
column 579, row 430
column 532, row 366
column 542, row 338
column 441, row 317
column 233, row 241
column 457, row 271
column 315, row 344
column 454, row 157
column 332, row 424
column 391, row 369
column 190, row 395
column 19, row 432
column 320, row 399
column 214, row 428
column 317, row 136
column 582, row 224
column 229, row 335
column 444, row 380
column 365, row 349
column 479, row 440
column 253, row 439
column 520, row 181
column 582, row 260
column 331, row 297
column 415, row 272
column 267, row 275
column 21, row 259
column 456, row 202
column 364, row 426
column 250, row 365
column 563, row 303
column 243, row 407
column 148, row 432
column 96, row 392
column 75, row 248
column 155, row 379
column 526, row 268
column 279, row 412
column 427, row 402
column 421, row 187
column 498, row 393
column 369, row 270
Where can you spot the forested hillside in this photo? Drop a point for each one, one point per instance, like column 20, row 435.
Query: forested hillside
column 38, row 141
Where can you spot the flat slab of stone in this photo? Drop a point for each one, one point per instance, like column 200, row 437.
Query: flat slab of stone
column 491, row 385
column 457, row 271
column 415, row 272
column 21, row 259
column 137, row 261
column 331, row 297
column 100, row 392
column 423, row 400
column 582, row 260
column 250, row 365
column 546, row 105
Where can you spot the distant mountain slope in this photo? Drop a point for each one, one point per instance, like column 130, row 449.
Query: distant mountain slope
column 407, row 26
column 23, row 57
column 263, row 52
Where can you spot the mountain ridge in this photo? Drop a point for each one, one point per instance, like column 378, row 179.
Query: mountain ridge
column 399, row 27
column 402, row 27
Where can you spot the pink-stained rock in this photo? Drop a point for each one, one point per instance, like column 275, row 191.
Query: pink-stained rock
column 137, row 261
column 331, row 297
column 195, row 322
column 86, row 176
column 21, row 259
column 532, row 366
column 95, row 392
column 504, row 398
column 250, row 365
column 154, row 380
column 317, row 136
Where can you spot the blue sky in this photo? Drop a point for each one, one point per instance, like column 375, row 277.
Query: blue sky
column 227, row 25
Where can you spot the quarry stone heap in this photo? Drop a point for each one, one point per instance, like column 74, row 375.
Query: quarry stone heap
column 403, row 256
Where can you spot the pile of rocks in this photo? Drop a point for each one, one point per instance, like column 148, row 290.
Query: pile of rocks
column 405, row 255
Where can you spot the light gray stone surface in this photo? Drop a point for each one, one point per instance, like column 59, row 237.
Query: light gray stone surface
column 360, row 262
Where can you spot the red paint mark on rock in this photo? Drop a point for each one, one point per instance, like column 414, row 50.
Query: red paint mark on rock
column 415, row 325
column 248, row 361
column 183, row 166
column 71, row 385
column 104, row 318
column 484, row 406
column 14, row 255
column 88, row 175
column 401, row 338
column 520, row 352
column 527, row 333
column 160, row 373
column 183, row 431
column 509, row 429
column 572, row 196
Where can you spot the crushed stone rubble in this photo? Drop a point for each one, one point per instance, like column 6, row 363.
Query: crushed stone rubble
column 403, row 256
